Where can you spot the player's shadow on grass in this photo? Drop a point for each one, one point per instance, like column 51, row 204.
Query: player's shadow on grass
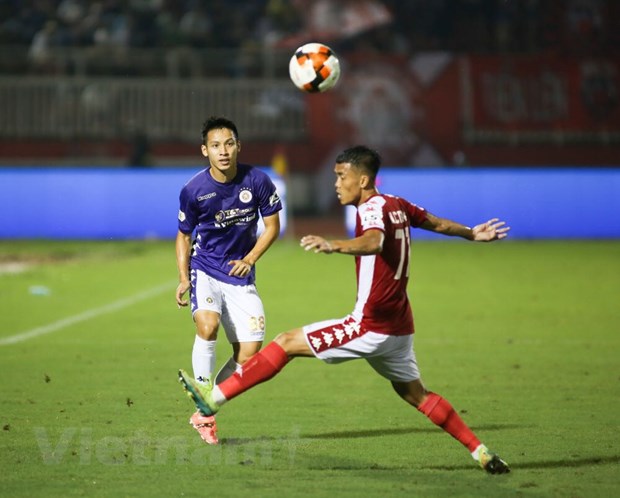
column 544, row 464
column 328, row 435
column 396, row 431
column 381, row 432
column 579, row 462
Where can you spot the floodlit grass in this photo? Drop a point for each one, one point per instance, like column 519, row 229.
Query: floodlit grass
column 521, row 337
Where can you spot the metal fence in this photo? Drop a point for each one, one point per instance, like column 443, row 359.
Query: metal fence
column 163, row 109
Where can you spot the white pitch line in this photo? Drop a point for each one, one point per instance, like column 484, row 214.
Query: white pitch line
column 87, row 315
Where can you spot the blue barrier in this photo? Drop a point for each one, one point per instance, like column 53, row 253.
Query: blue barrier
column 536, row 203
column 76, row 203
column 80, row 203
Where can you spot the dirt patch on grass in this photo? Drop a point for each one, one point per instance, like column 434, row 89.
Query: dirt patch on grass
column 12, row 267
column 13, row 264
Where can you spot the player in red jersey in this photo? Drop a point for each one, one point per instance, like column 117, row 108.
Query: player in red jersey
column 380, row 327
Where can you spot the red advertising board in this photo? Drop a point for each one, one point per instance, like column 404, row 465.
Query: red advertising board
column 441, row 110
column 541, row 99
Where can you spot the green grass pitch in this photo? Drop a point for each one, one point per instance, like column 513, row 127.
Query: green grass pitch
column 522, row 337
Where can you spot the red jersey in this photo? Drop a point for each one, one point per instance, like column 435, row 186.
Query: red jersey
column 382, row 304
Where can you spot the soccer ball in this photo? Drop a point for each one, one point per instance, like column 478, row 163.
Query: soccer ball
column 314, row 68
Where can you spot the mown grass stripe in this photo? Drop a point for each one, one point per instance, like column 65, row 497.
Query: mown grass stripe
column 86, row 315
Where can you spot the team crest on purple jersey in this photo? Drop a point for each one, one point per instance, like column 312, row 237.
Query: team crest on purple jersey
column 245, row 195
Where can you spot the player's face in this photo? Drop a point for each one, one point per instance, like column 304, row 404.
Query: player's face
column 221, row 149
column 348, row 184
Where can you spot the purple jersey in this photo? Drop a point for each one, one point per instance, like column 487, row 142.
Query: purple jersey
column 225, row 217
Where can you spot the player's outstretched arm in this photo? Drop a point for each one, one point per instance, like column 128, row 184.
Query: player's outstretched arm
column 316, row 243
column 494, row 229
column 370, row 242
column 485, row 232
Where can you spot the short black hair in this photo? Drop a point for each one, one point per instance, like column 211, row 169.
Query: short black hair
column 217, row 123
column 361, row 157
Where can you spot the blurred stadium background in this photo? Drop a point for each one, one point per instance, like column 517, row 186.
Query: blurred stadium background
column 481, row 108
column 459, row 85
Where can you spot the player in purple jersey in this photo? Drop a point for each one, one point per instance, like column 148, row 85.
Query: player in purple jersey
column 380, row 328
column 221, row 206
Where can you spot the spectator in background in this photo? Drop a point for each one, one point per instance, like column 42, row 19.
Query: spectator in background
column 112, row 31
column 280, row 19
column 195, row 26
column 40, row 53
column 505, row 26
column 167, row 24
column 86, row 27
column 585, row 25
column 187, row 28
column 70, row 12
column 25, row 22
column 140, row 153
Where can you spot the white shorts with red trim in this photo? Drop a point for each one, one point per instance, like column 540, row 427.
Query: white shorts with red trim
column 344, row 339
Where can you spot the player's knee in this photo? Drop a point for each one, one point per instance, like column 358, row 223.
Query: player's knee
column 282, row 340
column 206, row 328
column 413, row 392
column 207, row 335
column 294, row 343
column 287, row 341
